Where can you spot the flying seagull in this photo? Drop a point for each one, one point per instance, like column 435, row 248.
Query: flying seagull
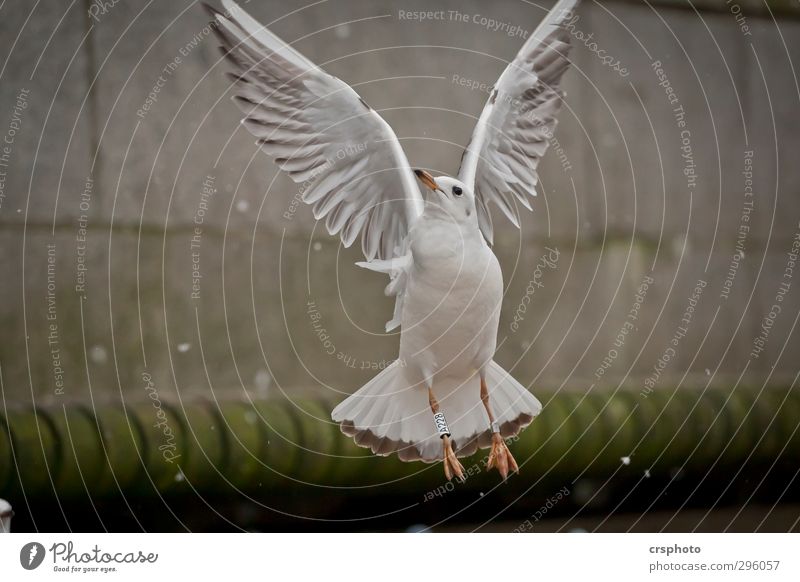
column 444, row 397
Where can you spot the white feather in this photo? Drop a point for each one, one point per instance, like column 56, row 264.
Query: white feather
column 512, row 132
column 390, row 415
column 317, row 128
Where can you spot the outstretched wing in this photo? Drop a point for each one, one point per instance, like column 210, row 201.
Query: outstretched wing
column 512, row 133
column 347, row 159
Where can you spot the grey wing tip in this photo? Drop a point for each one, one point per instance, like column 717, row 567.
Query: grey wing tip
column 210, row 10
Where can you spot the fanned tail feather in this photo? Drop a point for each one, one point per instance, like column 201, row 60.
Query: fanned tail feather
column 391, row 415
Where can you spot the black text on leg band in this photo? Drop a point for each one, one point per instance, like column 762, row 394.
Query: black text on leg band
column 441, row 424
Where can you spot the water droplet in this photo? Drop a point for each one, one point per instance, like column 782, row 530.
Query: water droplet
column 342, row 31
column 98, row 354
column 250, row 417
column 317, row 246
column 262, row 381
column 179, row 477
column 184, row 347
column 625, row 460
column 242, row 206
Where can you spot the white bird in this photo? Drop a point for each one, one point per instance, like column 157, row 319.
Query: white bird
column 6, row 514
column 444, row 397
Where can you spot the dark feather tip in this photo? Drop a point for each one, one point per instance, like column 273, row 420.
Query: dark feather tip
column 210, row 10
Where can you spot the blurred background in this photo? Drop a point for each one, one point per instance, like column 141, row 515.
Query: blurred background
column 159, row 363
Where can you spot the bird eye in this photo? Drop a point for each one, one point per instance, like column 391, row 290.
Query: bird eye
column 456, row 190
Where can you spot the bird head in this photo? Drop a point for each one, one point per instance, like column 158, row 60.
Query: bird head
column 449, row 196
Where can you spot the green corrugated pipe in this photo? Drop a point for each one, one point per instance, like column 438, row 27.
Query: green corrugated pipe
column 271, row 445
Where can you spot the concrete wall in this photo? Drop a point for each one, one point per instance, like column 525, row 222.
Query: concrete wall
column 89, row 318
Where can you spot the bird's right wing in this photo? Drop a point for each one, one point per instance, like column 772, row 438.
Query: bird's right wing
column 347, row 159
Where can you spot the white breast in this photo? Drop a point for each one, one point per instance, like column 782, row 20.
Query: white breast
column 452, row 302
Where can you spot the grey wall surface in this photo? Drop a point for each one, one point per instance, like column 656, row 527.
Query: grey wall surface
column 616, row 208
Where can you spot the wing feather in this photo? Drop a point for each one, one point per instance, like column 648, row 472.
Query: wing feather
column 322, row 134
column 511, row 136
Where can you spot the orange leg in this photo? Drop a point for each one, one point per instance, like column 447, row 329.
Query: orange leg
column 451, row 464
column 499, row 456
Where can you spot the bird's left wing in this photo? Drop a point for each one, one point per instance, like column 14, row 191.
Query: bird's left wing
column 323, row 135
column 512, row 134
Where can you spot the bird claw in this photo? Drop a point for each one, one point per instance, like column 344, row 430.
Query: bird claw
column 452, row 466
column 500, row 457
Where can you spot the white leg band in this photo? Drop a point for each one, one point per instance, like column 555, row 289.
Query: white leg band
column 441, row 425
column 495, row 426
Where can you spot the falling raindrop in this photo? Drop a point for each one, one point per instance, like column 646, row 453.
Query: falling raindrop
column 98, row 354
column 179, row 476
column 625, row 460
column 679, row 245
column 342, row 31
column 585, row 490
column 184, row 347
column 262, row 381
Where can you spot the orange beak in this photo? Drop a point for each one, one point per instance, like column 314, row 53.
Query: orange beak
column 428, row 180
